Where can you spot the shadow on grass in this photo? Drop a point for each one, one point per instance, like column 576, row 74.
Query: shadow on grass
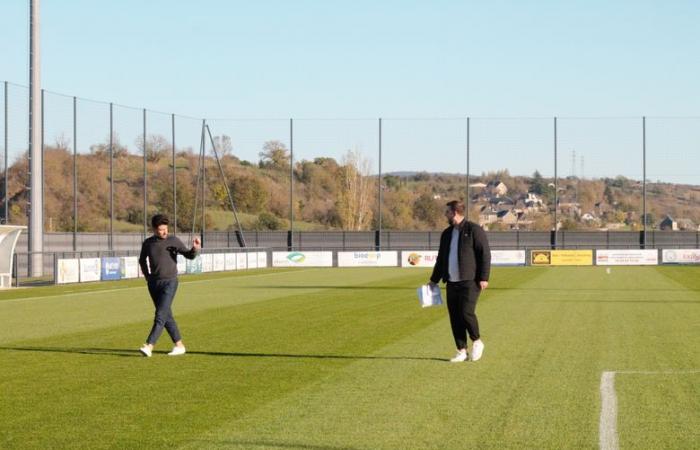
column 266, row 444
column 569, row 290
column 311, row 286
column 136, row 354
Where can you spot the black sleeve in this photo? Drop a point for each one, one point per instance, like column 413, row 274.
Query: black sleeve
column 439, row 261
column 142, row 260
column 189, row 253
column 482, row 252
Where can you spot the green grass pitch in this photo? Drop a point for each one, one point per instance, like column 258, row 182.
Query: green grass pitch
column 346, row 359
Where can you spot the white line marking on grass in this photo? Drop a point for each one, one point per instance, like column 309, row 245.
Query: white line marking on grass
column 101, row 291
column 607, row 427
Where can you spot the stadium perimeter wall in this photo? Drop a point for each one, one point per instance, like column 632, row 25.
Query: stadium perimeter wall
column 388, row 240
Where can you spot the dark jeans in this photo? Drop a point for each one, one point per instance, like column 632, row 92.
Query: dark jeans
column 162, row 293
column 461, row 304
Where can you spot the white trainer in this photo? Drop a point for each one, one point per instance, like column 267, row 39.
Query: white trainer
column 461, row 356
column 477, row 350
column 177, row 350
column 146, row 351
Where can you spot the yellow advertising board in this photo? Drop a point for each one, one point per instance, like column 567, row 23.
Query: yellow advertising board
column 561, row 257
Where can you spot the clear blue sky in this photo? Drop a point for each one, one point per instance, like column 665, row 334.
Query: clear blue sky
column 391, row 59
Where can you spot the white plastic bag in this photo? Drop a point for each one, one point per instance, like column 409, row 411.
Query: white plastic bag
column 429, row 295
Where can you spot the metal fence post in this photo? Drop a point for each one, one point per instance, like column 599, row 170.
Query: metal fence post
column 6, row 197
column 290, row 237
column 556, row 189
column 172, row 126
column 644, row 182
column 75, row 174
column 145, row 176
column 111, row 177
column 378, row 235
column 467, row 199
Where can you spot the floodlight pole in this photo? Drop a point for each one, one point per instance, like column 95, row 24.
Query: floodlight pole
column 36, row 203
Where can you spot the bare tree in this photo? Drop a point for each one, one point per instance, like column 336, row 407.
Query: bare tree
column 355, row 202
column 223, row 144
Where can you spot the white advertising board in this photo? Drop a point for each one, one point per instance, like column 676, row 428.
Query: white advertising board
column 230, row 261
column 68, row 271
column 130, row 267
column 181, row 264
column 262, row 259
column 680, row 256
column 207, row 262
column 252, row 260
column 242, row 261
column 302, row 259
column 626, row 257
column 368, row 259
column 89, row 269
column 218, row 262
column 418, row 258
column 507, row 257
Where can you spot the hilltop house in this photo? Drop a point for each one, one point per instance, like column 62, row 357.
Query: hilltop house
column 668, row 224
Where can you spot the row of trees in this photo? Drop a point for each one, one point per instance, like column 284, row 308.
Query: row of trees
column 328, row 194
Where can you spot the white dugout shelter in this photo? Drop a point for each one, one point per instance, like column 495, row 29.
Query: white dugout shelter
column 9, row 234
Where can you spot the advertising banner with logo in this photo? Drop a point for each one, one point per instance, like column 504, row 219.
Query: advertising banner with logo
column 508, row 257
column 368, row 259
column 194, row 265
column 218, row 262
column 561, row 257
column 230, row 261
column 418, row 258
column 110, row 269
column 68, row 271
column 129, row 267
column 89, row 269
column 626, row 257
column 680, row 256
column 302, row 259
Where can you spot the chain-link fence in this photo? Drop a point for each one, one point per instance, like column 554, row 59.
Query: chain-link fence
column 108, row 168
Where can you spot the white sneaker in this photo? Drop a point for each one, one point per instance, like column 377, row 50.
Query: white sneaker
column 146, row 351
column 177, row 350
column 461, row 356
column 477, row 350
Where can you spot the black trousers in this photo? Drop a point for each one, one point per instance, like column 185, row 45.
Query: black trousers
column 461, row 305
column 162, row 293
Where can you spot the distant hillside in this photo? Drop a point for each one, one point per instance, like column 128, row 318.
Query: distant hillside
column 329, row 194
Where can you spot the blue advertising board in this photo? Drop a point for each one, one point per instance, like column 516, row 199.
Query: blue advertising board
column 111, row 269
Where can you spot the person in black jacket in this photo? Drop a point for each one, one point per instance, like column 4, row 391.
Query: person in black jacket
column 464, row 263
column 158, row 263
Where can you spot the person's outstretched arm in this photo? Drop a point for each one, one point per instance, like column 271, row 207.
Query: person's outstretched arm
column 189, row 253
